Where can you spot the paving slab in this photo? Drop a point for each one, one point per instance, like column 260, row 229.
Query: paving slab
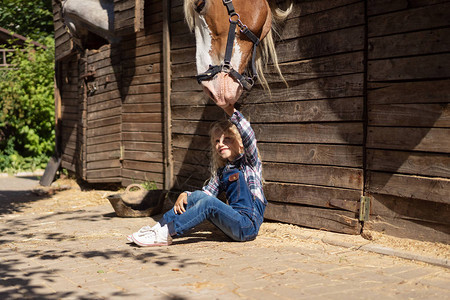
column 70, row 245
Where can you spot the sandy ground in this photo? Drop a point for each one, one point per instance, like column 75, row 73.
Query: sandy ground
column 66, row 194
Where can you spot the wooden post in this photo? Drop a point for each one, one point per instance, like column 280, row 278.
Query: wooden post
column 168, row 160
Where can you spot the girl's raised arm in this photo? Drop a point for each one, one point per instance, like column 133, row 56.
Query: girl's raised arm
column 247, row 135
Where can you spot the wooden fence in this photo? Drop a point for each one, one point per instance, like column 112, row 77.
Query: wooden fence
column 365, row 114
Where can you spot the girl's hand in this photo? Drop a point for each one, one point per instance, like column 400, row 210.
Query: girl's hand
column 229, row 109
column 179, row 206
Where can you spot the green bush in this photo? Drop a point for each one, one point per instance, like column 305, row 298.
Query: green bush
column 27, row 136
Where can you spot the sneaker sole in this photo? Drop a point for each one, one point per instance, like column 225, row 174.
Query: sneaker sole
column 150, row 245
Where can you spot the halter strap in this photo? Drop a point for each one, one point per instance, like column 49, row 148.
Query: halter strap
column 246, row 81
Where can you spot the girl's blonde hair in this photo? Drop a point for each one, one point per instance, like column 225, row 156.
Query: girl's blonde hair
column 217, row 129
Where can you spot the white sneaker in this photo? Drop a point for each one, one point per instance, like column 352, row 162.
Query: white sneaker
column 142, row 230
column 151, row 238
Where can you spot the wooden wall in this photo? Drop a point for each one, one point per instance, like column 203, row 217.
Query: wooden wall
column 310, row 135
column 408, row 138
column 365, row 113
column 111, row 103
column 141, row 91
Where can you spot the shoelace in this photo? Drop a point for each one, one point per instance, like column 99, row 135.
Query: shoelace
column 148, row 232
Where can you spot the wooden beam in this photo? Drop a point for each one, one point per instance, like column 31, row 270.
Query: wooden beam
column 168, row 160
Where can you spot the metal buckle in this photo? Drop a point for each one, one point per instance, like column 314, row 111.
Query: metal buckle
column 226, row 68
column 238, row 21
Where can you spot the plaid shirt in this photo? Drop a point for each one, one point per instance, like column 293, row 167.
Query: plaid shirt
column 249, row 162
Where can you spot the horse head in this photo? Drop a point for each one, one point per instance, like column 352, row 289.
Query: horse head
column 210, row 20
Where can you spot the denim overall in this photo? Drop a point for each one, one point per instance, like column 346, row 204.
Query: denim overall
column 240, row 219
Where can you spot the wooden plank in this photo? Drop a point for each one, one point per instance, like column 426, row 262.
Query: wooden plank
column 103, row 114
column 143, row 156
column 409, row 138
column 104, row 175
column 317, row 154
column 130, row 71
column 104, row 164
column 318, row 196
column 197, row 142
column 428, row 17
column 106, row 105
column 92, row 149
column 113, row 153
column 142, row 176
column 414, row 115
column 144, row 79
column 148, row 98
column 408, row 44
column 104, row 97
column 143, row 89
column 142, row 117
column 140, row 108
column 186, row 84
column 375, row 7
column 327, row 133
column 195, row 157
column 184, row 55
column 412, row 229
column 142, row 136
column 344, row 109
column 104, row 122
column 341, row 177
column 103, row 139
column 331, row 220
column 195, row 98
column 100, row 131
column 321, row 88
column 191, row 171
column 436, row 66
column 332, row 65
column 409, row 92
column 142, row 127
column 328, row 43
column 425, row 164
column 142, row 146
column 408, row 186
column 409, row 209
column 324, row 21
column 143, row 166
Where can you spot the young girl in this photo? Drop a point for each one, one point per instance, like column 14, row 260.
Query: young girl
column 237, row 171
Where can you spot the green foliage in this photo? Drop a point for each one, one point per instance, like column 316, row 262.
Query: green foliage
column 27, row 134
column 30, row 18
column 149, row 185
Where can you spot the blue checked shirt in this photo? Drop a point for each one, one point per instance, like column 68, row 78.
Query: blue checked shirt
column 248, row 161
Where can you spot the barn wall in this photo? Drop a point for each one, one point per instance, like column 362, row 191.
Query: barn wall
column 408, row 141
column 310, row 135
column 141, row 91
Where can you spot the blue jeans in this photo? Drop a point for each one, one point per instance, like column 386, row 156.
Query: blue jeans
column 240, row 220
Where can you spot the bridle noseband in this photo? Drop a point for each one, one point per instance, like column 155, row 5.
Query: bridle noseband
column 246, row 81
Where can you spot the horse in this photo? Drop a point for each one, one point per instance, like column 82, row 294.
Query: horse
column 227, row 35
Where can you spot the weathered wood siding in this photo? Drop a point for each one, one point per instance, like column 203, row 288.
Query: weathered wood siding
column 408, row 138
column 141, row 91
column 102, row 77
column 310, row 134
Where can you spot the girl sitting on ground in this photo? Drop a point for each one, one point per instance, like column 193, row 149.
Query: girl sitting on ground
column 237, row 171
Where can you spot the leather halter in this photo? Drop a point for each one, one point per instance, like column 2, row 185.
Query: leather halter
column 246, row 81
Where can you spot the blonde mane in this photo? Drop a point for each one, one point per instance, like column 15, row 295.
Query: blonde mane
column 266, row 51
